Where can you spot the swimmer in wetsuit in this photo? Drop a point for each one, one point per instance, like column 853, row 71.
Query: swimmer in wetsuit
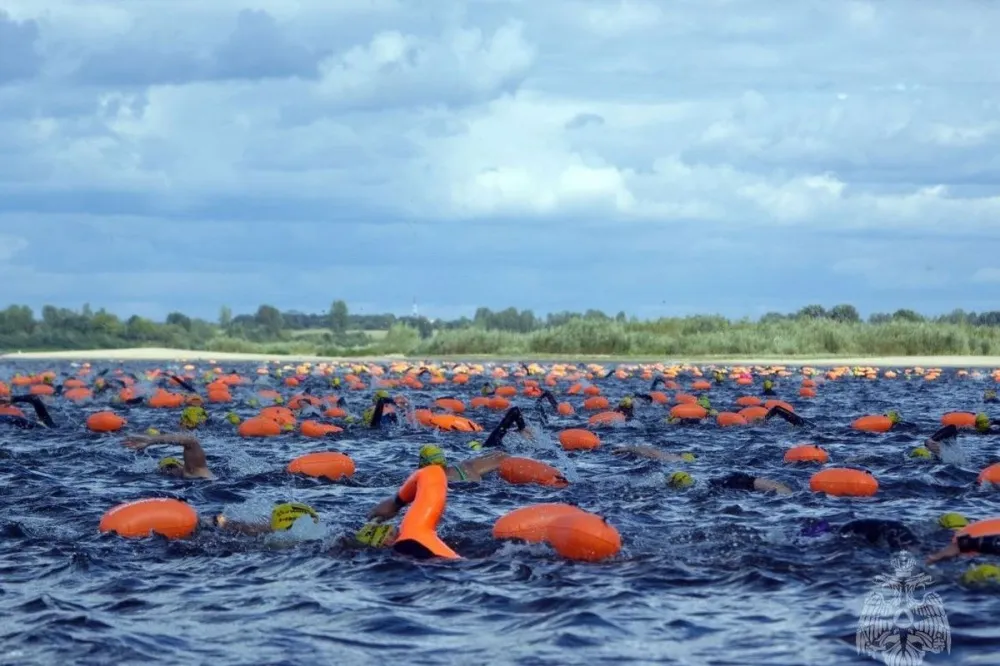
column 375, row 415
column 472, row 470
column 652, row 453
column 283, row 517
column 769, row 387
column 984, row 545
column 11, row 415
column 744, row 481
column 194, row 465
column 877, row 532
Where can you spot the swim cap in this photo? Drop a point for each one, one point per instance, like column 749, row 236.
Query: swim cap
column 284, row 515
column 893, row 416
column 703, row 401
column 687, row 457
column 475, row 445
column 625, row 402
column 982, row 422
column 279, row 400
column 152, row 432
column 432, row 455
column 169, row 463
column 920, row 452
column 381, row 393
column 815, row 527
column 233, row 418
column 981, row 574
column 376, row 535
column 953, row 521
column 193, row 416
column 679, row 480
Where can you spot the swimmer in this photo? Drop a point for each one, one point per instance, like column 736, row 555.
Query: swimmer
column 471, row 470
column 652, row 453
column 932, row 445
column 11, row 415
column 990, row 395
column 744, row 481
column 375, row 415
column 789, row 416
column 194, row 466
column 984, row 545
column 769, row 387
column 513, row 416
column 877, row 532
column 283, row 517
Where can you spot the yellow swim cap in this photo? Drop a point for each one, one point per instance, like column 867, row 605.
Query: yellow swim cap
column 193, row 416
column 921, row 452
column 233, row 418
column 475, row 445
column 687, row 457
column 893, row 416
column 376, row 535
column 381, row 393
column 284, row 515
column 169, row 463
column 982, row 422
column 953, row 521
column 432, row 455
column 679, row 480
column 152, row 432
column 279, row 400
column 982, row 574
column 625, row 402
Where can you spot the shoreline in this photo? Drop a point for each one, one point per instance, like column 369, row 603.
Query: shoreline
column 184, row 355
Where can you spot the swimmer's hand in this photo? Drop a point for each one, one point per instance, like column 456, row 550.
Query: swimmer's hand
column 384, row 510
column 137, row 442
column 951, row 550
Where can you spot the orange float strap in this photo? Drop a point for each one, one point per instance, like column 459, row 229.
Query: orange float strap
column 426, row 493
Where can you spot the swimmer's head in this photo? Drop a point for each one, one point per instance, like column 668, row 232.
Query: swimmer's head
column 432, row 455
column 679, row 480
column 687, row 457
column 625, row 403
column 982, row 422
column 377, row 535
column 982, row 574
column 284, row 515
column 335, row 382
column 486, row 390
column 989, row 394
column 475, row 445
column 233, row 418
column 953, row 521
column 703, row 401
column 768, row 384
column 193, row 416
column 921, row 452
column 171, row 467
column 814, row 527
column 380, row 394
column 894, row 416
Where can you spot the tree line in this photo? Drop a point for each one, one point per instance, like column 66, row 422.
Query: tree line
column 813, row 329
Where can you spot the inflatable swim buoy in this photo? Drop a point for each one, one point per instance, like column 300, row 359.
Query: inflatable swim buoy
column 531, row 523
column 576, row 439
column 105, row 422
column 327, row 464
column 170, row 518
column 520, row 471
column 806, row 453
column 584, row 537
column 844, row 482
column 873, row 423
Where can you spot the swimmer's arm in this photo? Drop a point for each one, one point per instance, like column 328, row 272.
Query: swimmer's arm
column 483, row 465
column 237, row 527
column 195, row 463
column 767, row 485
column 646, row 452
column 387, row 508
column 40, row 410
column 791, row 417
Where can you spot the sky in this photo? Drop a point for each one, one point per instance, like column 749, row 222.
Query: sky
column 656, row 157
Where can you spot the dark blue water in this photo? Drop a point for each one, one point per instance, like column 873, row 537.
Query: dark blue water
column 705, row 577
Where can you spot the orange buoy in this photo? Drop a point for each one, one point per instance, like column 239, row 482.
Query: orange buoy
column 577, row 439
column 959, row 419
column 166, row 400
column 317, row 429
column 280, row 415
column 451, row 404
column 843, row 482
column 450, row 422
column 685, row 399
column 771, row 404
column 520, row 471
column 498, row 403
column 659, row 397
column 873, row 423
column 606, row 419
column 480, row 401
column 748, row 401
column 687, row 410
column 105, row 422
column 259, row 426
column 584, row 537
column 505, row 391
column 701, row 385
column 326, row 464
column 806, row 453
column 990, row 474
column 77, row 394
column 729, row 419
column 170, row 518
column 531, row 523
column 595, row 403
column 565, row 409
column 980, row 528
column 807, row 392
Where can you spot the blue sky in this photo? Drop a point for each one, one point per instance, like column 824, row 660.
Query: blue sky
column 661, row 158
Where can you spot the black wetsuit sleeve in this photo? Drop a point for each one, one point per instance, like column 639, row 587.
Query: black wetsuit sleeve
column 551, row 399
column 41, row 411
column 644, row 396
column 947, row 432
column 735, row 481
column 376, row 421
column 987, row 545
column 512, row 416
column 791, row 417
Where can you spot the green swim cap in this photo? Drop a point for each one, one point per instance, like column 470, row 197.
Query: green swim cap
column 687, row 457
column 170, row 463
column 982, row 422
column 233, row 418
column 475, row 445
column 679, row 480
column 893, row 416
column 152, row 432
column 193, row 416
column 953, row 521
column 376, row 535
column 284, row 515
column 703, row 401
column 921, row 452
column 625, row 402
column 432, row 455
column 279, row 400
column 381, row 393
column 981, row 575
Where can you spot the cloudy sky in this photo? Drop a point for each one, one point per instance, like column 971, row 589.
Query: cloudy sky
column 658, row 157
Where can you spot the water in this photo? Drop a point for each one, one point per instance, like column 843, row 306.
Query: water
column 705, row 577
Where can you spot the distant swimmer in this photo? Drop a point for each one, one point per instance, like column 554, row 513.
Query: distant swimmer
column 511, row 418
column 194, row 465
column 283, row 517
column 786, row 414
column 744, row 481
column 877, row 532
column 652, row 453
column 13, row 416
column 376, row 415
column 769, row 387
column 472, row 470
column 990, row 395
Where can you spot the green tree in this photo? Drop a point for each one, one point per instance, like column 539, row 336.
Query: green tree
column 844, row 313
column 339, row 317
column 225, row 317
column 269, row 319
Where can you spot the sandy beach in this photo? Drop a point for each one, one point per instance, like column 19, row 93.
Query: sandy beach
column 163, row 354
